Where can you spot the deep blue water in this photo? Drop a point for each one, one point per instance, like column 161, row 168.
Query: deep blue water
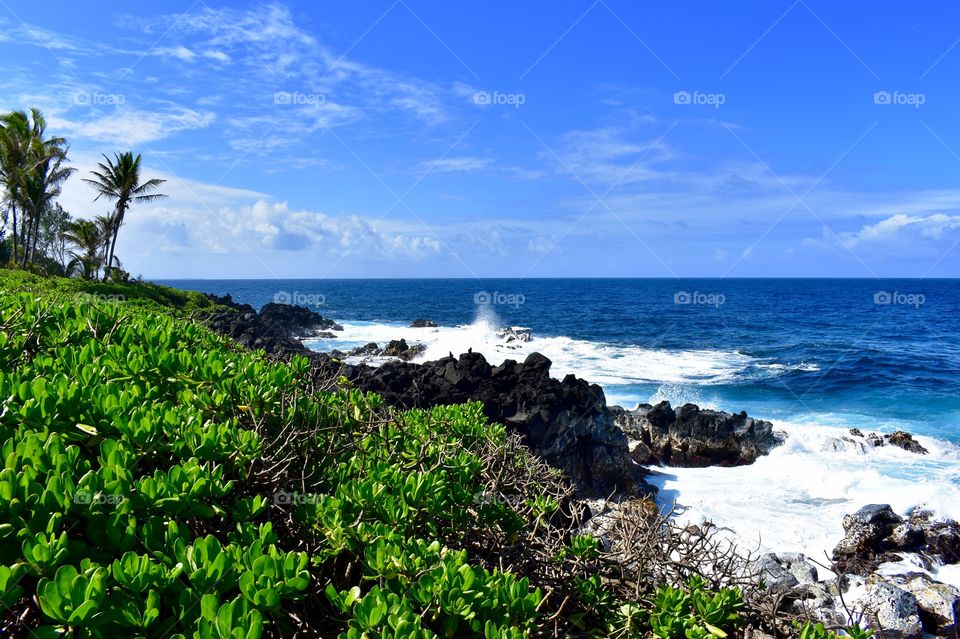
column 790, row 349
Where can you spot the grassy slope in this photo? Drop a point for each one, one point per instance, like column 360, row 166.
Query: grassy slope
column 163, row 298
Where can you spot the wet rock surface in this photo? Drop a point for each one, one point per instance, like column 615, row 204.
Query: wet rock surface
column 242, row 323
column 875, row 534
column 513, row 336
column 895, row 604
column 276, row 329
column 397, row 348
column 892, row 612
column 694, row 437
column 297, row 321
column 938, row 604
column 899, row 438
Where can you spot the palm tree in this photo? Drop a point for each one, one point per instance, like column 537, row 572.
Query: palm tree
column 120, row 180
column 41, row 186
column 32, row 172
column 88, row 237
column 13, row 136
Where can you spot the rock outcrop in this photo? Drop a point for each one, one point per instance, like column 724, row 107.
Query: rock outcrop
column 875, row 534
column 865, row 535
column 276, row 329
column 297, row 321
column 514, row 335
column 785, row 571
column 892, row 612
column 899, row 438
column 894, row 606
column 567, row 422
column 395, row 348
column 423, row 323
column 938, row 604
column 248, row 329
column 694, row 437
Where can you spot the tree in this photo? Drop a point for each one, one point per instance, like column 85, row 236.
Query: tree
column 12, row 164
column 87, row 238
column 119, row 180
column 50, row 238
column 32, row 172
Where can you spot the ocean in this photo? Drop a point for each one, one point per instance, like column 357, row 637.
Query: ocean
column 816, row 357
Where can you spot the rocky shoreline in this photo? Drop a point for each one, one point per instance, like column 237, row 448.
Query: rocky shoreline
column 603, row 450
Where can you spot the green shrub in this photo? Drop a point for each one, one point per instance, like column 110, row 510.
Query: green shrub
column 134, row 488
column 811, row 630
column 694, row 612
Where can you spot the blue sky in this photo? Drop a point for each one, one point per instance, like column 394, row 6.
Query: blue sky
column 504, row 139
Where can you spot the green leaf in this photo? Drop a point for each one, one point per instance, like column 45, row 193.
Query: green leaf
column 89, row 430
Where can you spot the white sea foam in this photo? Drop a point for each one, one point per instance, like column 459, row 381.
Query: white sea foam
column 794, row 499
column 609, row 365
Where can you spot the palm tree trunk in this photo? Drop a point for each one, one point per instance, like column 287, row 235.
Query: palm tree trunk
column 108, row 234
column 113, row 243
column 27, row 227
column 16, row 239
column 27, row 237
column 36, row 236
column 30, row 240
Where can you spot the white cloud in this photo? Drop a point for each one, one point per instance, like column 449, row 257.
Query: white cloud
column 899, row 229
column 33, row 35
column 462, row 164
column 203, row 218
column 264, row 133
column 275, row 226
column 180, row 52
column 282, row 56
column 132, row 127
column 218, row 56
column 609, row 155
column 542, row 245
